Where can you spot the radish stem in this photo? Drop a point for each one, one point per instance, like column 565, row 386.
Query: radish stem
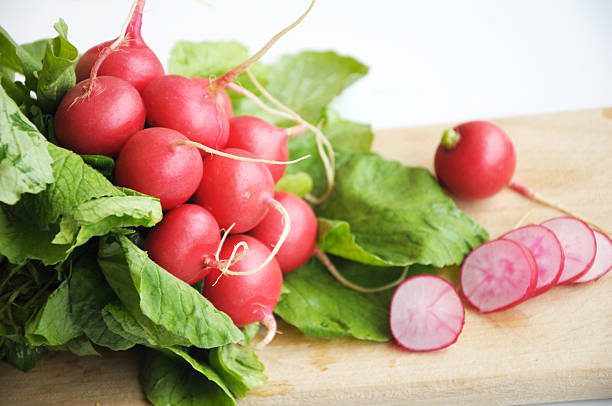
column 450, row 138
column 322, row 256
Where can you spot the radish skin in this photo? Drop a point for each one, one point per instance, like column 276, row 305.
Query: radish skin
column 546, row 250
column 426, row 313
column 497, row 275
column 603, row 259
column 579, row 246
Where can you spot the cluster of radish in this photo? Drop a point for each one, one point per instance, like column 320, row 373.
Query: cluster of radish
column 476, row 160
column 212, row 172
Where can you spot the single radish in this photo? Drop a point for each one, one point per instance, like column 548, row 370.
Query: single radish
column 184, row 242
column 227, row 102
column 426, row 313
column 154, row 162
column 198, row 112
column 98, row 115
column 263, row 139
column 546, row 250
column 497, row 275
column 603, row 259
column 184, row 105
column 579, row 246
column 247, row 298
column 302, row 239
column 235, row 192
column 475, row 160
column 133, row 61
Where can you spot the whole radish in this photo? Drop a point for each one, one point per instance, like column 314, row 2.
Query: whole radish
column 301, row 241
column 133, row 62
column 251, row 297
column 497, row 275
column 198, row 112
column 98, row 115
column 184, row 105
column 263, row 139
column 426, row 313
column 154, row 162
column 475, row 160
column 227, row 102
column 184, row 242
column 235, row 192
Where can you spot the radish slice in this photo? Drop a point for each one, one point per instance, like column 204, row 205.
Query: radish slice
column 603, row 259
column 497, row 275
column 426, row 313
column 579, row 247
column 546, row 250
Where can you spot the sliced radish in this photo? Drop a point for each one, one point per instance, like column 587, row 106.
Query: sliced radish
column 546, row 250
column 603, row 259
column 498, row 274
column 426, row 313
column 579, row 247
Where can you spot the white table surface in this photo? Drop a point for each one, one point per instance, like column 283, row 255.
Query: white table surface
column 430, row 62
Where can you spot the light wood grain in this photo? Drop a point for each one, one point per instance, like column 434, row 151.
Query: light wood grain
column 555, row 347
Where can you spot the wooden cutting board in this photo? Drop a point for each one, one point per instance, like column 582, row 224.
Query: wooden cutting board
column 555, row 347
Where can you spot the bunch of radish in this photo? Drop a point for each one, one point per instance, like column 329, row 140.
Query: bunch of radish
column 214, row 174
column 476, row 160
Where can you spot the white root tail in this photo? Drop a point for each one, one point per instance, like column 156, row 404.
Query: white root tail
column 322, row 256
column 269, row 323
column 530, row 194
column 281, row 240
column 236, row 157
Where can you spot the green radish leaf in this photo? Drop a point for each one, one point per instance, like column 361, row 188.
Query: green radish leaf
column 149, row 292
column 89, row 293
column 18, row 59
column 345, row 136
column 318, row 305
column 211, row 60
column 384, row 213
column 54, row 324
column 57, row 74
column 25, row 163
column 299, row 184
column 101, row 163
column 169, row 380
column 119, row 320
column 81, row 346
column 239, row 368
column 306, row 82
column 80, row 204
column 21, row 355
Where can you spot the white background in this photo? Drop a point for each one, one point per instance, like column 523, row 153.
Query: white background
column 430, row 61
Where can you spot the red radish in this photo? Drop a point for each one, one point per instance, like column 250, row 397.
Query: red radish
column 497, row 275
column 603, row 259
column 235, row 191
column 475, row 160
column 426, row 313
column 155, row 163
column 182, row 104
column 98, row 115
column 302, row 239
column 579, row 246
column 227, row 102
column 184, row 242
column 263, row 139
column 251, row 297
column 134, row 61
column 546, row 250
